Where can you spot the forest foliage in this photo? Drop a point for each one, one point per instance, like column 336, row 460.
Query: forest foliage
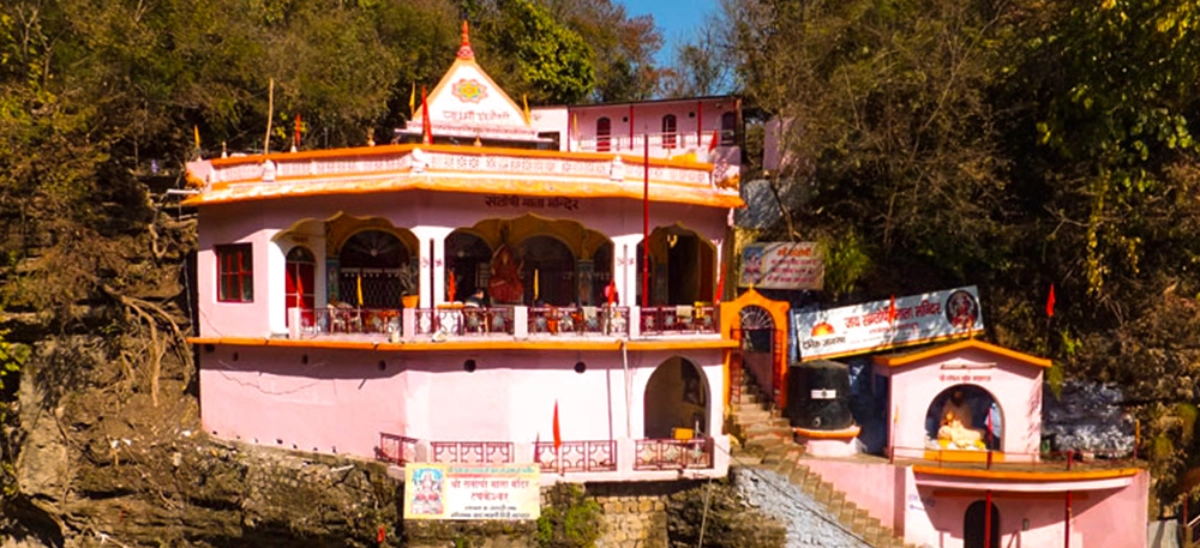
column 1012, row 144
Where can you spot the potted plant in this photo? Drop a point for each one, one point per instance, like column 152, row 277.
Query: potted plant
column 409, row 290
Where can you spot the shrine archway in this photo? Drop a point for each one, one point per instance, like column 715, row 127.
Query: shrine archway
column 768, row 321
column 976, row 409
column 676, row 401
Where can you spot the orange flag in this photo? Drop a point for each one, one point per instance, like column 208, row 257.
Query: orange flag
column 451, row 287
column 1050, row 303
column 892, row 310
column 557, row 431
column 720, row 286
column 712, row 145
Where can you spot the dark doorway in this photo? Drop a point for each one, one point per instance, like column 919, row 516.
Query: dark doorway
column 974, row 526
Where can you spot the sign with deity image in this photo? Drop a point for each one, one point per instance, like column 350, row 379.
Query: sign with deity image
column 880, row 325
column 472, row 491
column 782, row 265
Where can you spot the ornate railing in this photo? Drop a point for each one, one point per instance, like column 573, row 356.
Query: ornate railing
column 581, row 320
column 666, row 320
column 464, row 321
column 674, row 454
column 396, row 449
column 334, row 320
column 472, row 452
column 577, row 456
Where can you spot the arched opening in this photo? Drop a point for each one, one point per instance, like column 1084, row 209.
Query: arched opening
column 964, row 417
column 668, row 131
column 374, row 270
column 548, row 270
column 676, row 401
column 758, row 348
column 603, row 135
column 468, row 257
column 300, row 283
column 976, row 526
column 682, row 267
column 729, row 129
column 558, row 262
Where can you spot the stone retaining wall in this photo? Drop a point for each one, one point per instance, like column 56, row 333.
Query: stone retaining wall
column 635, row 513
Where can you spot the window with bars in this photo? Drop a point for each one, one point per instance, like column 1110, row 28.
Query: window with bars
column 235, row 273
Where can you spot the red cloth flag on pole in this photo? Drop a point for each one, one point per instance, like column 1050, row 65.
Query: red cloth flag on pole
column 712, row 145
column 557, row 431
column 610, row 293
column 1050, row 303
column 720, row 286
column 892, row 310
column 426, row 123
column 298, row 130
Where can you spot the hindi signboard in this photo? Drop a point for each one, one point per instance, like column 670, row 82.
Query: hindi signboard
column 472, row 491
column 875, row 326
column 782, row 265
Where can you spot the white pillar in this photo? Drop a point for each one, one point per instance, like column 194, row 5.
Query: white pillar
column 432, row 290
column 625, row 271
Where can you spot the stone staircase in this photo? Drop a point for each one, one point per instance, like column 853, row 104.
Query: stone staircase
column 767, row 442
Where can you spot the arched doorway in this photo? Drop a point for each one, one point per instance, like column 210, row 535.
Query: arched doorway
column 682, row 267
column 977, row 529
column 548, row 270
column 468, row 258
column 759, row 343
column 374, row 270
column 676, row 398
column 300, row 283
column 964, row 417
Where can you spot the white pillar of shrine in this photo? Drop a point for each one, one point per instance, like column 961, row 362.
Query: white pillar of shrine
column 432, row 240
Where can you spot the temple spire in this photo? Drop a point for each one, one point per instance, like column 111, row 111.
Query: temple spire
column 465, row 51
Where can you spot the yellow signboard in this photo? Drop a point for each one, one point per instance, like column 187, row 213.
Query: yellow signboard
column 472, row 492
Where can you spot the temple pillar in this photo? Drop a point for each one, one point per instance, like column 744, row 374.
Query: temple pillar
column 432, row 266
column 625, row 272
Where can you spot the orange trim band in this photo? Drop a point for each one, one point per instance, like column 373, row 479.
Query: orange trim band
column 1015, row 475
column 906, row 359
column 1021, row 495
column 848, row 433
column 468, row 345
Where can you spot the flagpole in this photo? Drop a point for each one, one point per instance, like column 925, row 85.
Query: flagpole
column 645, row 221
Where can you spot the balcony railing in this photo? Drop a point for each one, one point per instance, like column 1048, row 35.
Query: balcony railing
column 674, row 454
column 662, row 320
column 678, row 142
column 583, row 320
column 472, row 452
column 464, row 321
column 396, row 449
column 334, row 320
column 577, row 456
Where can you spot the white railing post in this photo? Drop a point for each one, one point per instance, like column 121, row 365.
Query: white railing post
column 635, row 322
column 520, row 319
column 408, row 324
column 294, row 326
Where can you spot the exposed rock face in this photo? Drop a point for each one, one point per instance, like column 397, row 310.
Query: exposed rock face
column 1087, row 417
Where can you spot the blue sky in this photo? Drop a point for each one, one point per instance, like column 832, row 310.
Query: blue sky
column 675, row 18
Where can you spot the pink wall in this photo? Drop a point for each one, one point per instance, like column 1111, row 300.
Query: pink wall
column 432, row 213
column 342, row 399
column 1016, row 386
column 647, row 118
column 876, row 487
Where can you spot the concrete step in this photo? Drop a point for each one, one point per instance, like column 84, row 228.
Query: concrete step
column 764, row 442
column 749, row 410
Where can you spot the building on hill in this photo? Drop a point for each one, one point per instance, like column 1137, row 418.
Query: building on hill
column 475, row 288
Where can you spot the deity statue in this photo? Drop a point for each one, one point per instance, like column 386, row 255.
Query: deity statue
column 953, row 435
column 505, row 285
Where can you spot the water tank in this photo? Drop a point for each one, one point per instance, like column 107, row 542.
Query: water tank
column 819, row 396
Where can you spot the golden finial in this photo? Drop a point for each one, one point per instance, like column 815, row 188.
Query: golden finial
column 465, row 51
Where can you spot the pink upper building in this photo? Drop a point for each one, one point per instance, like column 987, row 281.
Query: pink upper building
column 435, row 299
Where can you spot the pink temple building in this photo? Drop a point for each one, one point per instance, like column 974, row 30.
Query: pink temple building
column 436, row 299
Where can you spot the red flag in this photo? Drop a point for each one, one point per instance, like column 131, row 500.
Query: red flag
column 297, row 130
column 1050, row 303
column 426, row 124
column 451, row 287
column 557, row 432
column 712, row 145
column 610, row 293
column 379, row 538
column 720, row 286
column 892, row 310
